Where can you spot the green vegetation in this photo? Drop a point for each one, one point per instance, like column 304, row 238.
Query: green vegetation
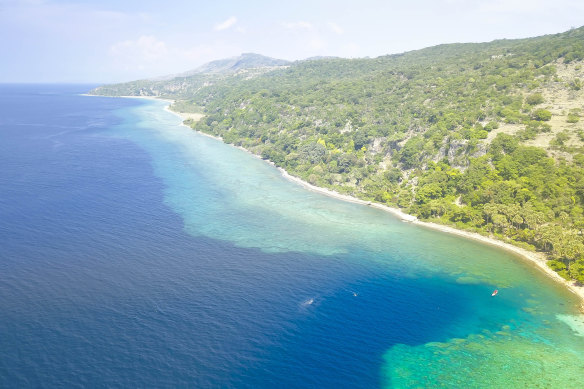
column 426, row 131
column 573, row 116
column 542, row 115
column 534, row 99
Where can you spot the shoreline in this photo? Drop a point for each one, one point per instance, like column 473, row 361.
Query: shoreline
column 534, row 258
column 130, row 97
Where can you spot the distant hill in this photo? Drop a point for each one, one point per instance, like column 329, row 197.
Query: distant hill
column 235, row 64
column 185, row 84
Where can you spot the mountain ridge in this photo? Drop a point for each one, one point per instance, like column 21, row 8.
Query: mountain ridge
column 188, row 82
column 234, row 64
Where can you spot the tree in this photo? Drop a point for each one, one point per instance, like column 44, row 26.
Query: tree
column 503, row 144
column 573, row 118
column 428, row 192
column 542, row 115
column 490, row 210
column 501, row 221
column 312, row 152
column 411, row 154
column 577, row 271
column 561, row 138
column 360, row 139
column 394, row 175
column 575, row 84
column 534, row 99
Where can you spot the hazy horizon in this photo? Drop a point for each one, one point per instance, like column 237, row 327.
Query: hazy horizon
column 55, row 41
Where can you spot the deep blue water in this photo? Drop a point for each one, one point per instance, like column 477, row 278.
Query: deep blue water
column 125, row 261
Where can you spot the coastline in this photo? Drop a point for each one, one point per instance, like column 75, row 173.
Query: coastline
column 537, row 259
column 131, row 97
column 534, row 258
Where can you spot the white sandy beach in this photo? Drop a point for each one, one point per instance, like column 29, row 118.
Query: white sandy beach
column 538, row 259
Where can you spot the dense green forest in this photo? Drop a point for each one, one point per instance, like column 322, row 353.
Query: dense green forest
column 486, row 137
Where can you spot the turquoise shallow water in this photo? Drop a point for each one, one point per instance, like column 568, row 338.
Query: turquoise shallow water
column 522, row 330
column 139, row 253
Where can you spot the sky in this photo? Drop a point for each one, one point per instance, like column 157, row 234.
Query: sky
column 122, row 40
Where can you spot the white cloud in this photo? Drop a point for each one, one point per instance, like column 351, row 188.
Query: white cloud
column 149, row 56
column 225, row 24
column 335, row 28
column 297, row 25
column 520, row 6
column 144, row 49
column 317, row 43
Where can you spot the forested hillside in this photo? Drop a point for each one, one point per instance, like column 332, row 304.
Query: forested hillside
column 486, row 137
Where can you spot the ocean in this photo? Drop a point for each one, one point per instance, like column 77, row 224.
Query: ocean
column 135, row 252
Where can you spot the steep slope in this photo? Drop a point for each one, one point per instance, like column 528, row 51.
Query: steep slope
column 485, row 136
